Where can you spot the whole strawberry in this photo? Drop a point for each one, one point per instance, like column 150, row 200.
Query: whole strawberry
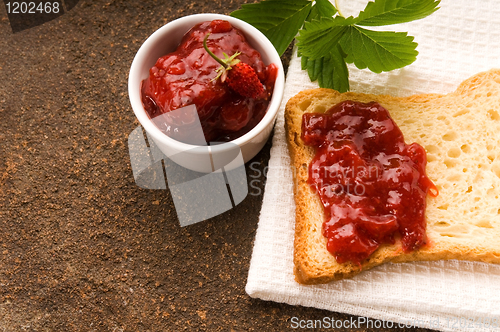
column 240, row 76
column 243, row 79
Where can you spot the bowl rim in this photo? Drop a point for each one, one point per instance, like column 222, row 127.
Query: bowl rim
column 135, row 80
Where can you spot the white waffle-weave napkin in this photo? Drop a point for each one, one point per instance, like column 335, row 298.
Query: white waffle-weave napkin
column 459, row 40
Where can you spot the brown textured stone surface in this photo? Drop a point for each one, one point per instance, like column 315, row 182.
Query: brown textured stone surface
column 82, row 248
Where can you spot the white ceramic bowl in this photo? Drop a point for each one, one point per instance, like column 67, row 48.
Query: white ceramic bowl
column 193, row 157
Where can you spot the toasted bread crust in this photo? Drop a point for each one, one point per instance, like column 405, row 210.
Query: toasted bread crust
column 480, row 94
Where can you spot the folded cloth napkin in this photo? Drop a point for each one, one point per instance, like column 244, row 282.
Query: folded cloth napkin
column 459, row 40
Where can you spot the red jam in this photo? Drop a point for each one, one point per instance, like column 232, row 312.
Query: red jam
column 372, row 185
column 186, row 76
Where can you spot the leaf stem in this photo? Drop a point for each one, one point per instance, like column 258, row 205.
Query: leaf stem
column 338, row 8
column 225, row 65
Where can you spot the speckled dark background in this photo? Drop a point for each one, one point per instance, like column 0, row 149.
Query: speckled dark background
column 82, row 248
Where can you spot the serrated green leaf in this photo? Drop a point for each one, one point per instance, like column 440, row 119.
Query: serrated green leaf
column 321, row 8
column 378, row 50
column 386, row 12
column 318, row 37
column 326, row 43
column 278, row 20
column 330, row 71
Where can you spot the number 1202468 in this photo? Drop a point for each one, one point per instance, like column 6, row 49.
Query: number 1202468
column 32, row 8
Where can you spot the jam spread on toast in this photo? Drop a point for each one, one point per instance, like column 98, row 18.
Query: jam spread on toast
column 187, row 76
column 372, row 185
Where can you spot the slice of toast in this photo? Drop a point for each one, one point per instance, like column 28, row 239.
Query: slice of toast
column 460, row 132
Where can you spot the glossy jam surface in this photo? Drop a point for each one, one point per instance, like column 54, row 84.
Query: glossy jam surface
column 372, row 185
column 186, row 77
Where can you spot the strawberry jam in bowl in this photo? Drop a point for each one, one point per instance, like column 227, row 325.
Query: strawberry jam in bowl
column 204, row 86
column 230, row 102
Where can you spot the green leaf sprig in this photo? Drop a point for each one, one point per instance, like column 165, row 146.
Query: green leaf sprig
column 327, row 40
